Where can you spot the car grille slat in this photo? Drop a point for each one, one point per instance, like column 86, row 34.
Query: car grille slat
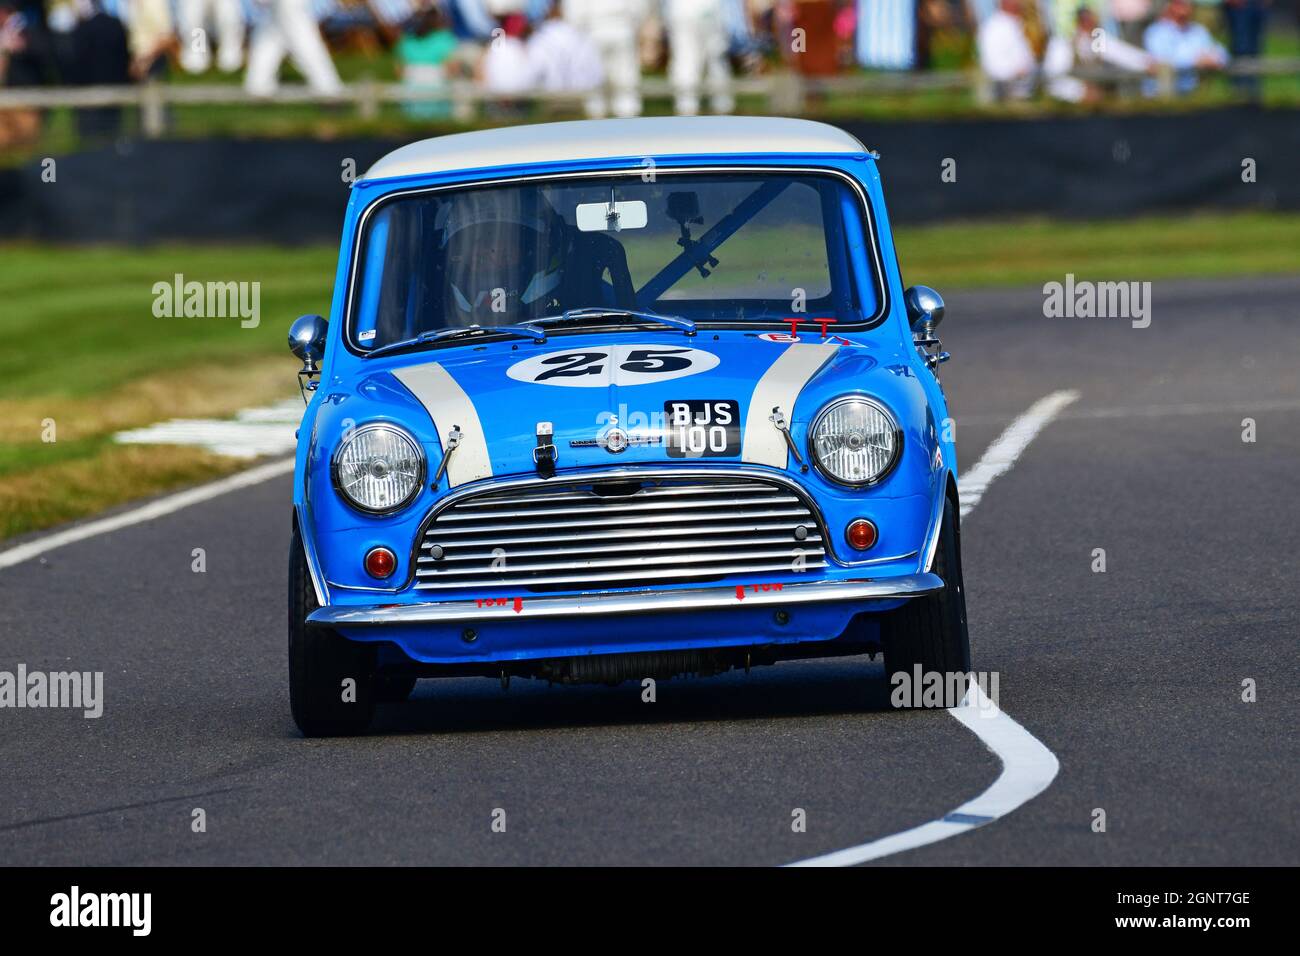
column 626, row 532
column 646, row 494
column 617, row 506
column 521, row 563
column 708, row 531
column 639, row 548
column 443, row 532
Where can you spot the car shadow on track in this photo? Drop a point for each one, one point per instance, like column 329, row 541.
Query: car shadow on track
column 803, row 689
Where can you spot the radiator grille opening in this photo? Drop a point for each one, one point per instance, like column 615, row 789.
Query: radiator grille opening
column 623, row 533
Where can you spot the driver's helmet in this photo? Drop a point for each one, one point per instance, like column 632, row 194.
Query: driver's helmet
column 504, row 253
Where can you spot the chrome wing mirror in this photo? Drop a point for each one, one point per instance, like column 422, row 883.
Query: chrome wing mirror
column 924, row 313
column 307, row 342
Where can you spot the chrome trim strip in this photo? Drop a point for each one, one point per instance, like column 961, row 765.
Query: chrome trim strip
column 781, row 541
column 641, row 602
column 633, row 506
column 936, row 523
column 888, row 559
column 651, row 519
column 308, row 537
column 638, row 533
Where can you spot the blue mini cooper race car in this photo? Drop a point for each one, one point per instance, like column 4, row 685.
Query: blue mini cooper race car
column 617, row 400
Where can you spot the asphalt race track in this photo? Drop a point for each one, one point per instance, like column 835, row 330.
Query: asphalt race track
column 1132, row 677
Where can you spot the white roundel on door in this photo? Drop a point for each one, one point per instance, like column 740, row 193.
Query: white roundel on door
column 601, row 366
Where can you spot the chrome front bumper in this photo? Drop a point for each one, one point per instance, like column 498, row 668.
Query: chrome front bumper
column 639, row 602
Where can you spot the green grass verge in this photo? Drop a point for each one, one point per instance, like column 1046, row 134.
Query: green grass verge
column 85, row 349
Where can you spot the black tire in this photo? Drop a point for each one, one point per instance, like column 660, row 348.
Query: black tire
column 319, row 663
column 393, row 688
column 931, row 631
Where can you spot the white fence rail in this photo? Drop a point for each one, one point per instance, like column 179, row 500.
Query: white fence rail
column 784, row 92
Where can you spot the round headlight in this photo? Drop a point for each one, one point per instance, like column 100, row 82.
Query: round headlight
column 855, row 441
column 379, row 468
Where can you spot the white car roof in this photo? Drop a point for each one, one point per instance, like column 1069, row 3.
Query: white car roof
column 612, row 139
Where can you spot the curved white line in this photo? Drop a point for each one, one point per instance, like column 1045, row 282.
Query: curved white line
column 1028, row 767
column 154, row 509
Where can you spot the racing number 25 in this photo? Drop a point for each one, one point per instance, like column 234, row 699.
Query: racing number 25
column 645, row 361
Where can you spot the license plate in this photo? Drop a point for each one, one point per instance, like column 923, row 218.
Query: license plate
column 702, row 428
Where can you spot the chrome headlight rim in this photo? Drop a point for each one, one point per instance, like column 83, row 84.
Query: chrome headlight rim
column 855, row 399
column 421, row 468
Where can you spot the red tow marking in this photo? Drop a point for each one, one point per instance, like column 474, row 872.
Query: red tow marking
column 740, row 592
column 519, row 605
column 821, row 322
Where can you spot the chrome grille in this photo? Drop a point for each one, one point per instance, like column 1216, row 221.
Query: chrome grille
column 619, row 533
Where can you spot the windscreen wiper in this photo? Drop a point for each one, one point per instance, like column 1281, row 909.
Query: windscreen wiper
column 601, row 312
column 441, row 335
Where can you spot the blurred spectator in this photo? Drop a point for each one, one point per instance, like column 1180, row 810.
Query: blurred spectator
column 816, row 52
column 1131, row 18
column 1093, row 45
column 151, row 35
column 100, row 56
column 887, row 34
column 565, row 58
column 1245, row 19
column 1004, row 52
column 25, row 57
column 697, row 44
column 507, row 70
column 1176, row 41
column 1090, row 45
column 288, row 28
column 423, row 53
column 614, row 27
column 24, row 61
column 194, row 17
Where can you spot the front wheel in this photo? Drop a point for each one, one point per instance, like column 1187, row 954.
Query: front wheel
column 931, row 632
column 331, row 679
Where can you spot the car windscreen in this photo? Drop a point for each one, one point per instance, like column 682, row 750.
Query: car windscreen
column 720, row 248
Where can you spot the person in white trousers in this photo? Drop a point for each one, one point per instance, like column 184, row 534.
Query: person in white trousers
column 288, row 27
column 196, row 43
column 697, row 37
column 613, row 26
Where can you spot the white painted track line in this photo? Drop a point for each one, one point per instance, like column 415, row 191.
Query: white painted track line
column 1007, row 447
column 154, row 509
column 1028, row 767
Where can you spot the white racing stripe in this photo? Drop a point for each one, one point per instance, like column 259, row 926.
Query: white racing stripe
column 779, row 387
column 1028, row 767
column 154, row 509
column 449, row 407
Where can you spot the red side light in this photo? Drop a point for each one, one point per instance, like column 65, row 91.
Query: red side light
column 380, row 562
column 861, row 534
